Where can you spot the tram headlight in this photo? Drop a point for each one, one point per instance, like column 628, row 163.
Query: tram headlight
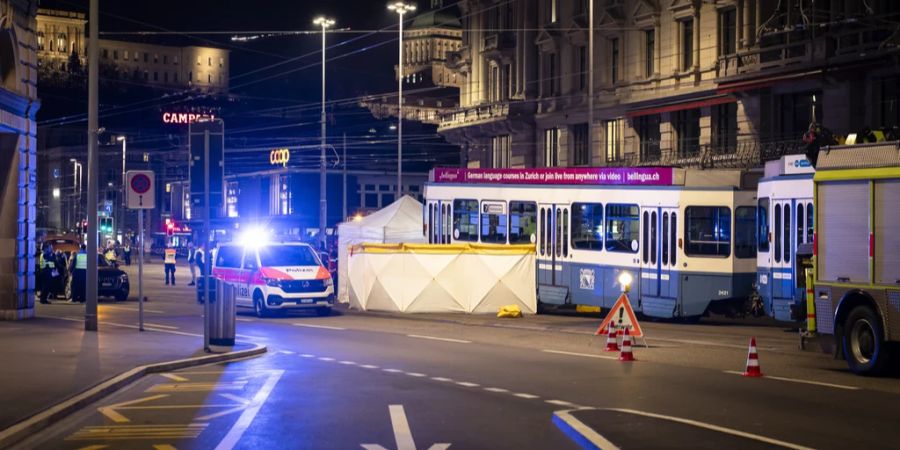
column 625, row 280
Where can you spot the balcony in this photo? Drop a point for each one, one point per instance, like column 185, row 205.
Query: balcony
column 502, row 41
column 474, row 115
column 745, row 154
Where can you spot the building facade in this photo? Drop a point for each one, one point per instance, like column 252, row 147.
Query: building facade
column 62, row 50
column 726, row 83
column 18, row 157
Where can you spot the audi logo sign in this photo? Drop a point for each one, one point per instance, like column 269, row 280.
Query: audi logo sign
column 280, row 156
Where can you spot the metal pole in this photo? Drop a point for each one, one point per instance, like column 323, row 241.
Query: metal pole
column 323, row 184
column 591, row 81
column 344, row 216
column 400, row 114
column 206, row 228
column 141, row 269
column 90, row 309
column 122, row 203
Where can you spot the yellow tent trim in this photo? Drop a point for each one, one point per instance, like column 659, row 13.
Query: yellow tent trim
column 444, row 249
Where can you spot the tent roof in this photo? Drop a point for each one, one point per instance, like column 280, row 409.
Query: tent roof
column 405, row 212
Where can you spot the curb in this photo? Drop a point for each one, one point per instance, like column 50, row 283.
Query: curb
column 582, row 434
column 53, row 414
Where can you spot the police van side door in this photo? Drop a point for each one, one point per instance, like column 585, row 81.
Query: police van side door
column 249, row 269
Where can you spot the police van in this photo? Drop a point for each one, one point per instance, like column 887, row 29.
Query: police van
column 275, row 277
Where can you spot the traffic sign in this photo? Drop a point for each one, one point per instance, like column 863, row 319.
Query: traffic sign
column 622, row 315
column 141, row 193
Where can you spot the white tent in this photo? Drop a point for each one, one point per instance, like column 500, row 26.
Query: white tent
column 400, row 221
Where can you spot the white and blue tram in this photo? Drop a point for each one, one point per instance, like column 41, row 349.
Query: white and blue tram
column 785, row 217
column 690, row 240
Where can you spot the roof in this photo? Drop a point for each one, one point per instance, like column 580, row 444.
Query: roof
column 435, row 19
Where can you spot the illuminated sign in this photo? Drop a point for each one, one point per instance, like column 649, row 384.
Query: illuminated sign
column 184, row 118
column 280, row 156
column 634, row 176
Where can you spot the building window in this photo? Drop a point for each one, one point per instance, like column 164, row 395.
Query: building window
column 221, row 62
column 687, row 44
column 581, row 149
column 551, row 147
column 587, row 226
column 501, row 151
column 797, row 111
column 494, row 83
column 105, row 53
column 614, row 60
column 465, row 220
column 285, row 196
column 175, row 77
column 155, row 76
column 613, row 139
column 146, row 76
column 156, row 58
column 551, row 75
column 190, row 76
column 890, row 102
column 647, row 128
column 727, row 32
column 707, row 231
column 165, row 59
column 583, row 68
column 649, row 52
column 209, row 78
column 210, row 62
column 175, row 60
column 137, row 55
column 62, row 44
column 116, row 55
column 40, row 41
column 581, row 7
column 622, row 228
column 125, row 55
column 687, row 132
column 550, row 13
column 146, row 56
column 199, row 60
column 725, row 127
column 166, row 77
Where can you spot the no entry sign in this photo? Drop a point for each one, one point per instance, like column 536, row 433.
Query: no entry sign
column 140, row 190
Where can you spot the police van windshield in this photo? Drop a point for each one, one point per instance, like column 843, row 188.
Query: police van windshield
column 287, row 255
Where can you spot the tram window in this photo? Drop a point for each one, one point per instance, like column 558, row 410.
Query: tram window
column 494, row 222
column 809, row 222
column 707, row 231
column 787, row 233
column 431, row 224
column 801, row 232
column 543, row 230
column 587, row 226
column 744, row 232
column 762, row 222
column 622, row 228
column 665, row 239
column 565, row 233
column 777, row 232
column 522, row 222
column 465, row 220
column 673, row 234
column 653, row 238
column 559, row 234
column 645, row 237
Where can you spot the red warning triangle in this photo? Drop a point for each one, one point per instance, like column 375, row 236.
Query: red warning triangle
column 623, row 315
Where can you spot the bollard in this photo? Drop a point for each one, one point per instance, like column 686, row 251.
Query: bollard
column 222, row 315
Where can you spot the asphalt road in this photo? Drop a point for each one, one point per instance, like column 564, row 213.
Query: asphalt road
column 360, row 381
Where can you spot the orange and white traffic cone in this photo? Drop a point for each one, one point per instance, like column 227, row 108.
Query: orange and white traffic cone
column 612, row 345
column 753, row 369
column 626, row 354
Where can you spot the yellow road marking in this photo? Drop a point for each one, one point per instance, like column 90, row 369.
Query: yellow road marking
column 195, row 387
column 93, row 447
column 126, row 432
column 164, row 447
column 174, row 377
column 110, row 410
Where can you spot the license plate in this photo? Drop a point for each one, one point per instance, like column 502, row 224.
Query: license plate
column 305, row 300
column 106, row 284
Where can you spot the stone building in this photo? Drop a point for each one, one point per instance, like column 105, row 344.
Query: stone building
column 18, row 157
column 676, row 82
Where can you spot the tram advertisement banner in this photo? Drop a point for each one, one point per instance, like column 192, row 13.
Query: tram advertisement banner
column 634, row 176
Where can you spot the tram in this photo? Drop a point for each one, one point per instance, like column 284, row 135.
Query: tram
column 785, row 216
column 687, row 237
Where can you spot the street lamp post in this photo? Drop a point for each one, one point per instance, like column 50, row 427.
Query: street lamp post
column 121, row 218
column 323, row 198
column 400, row 8
column 76, row 191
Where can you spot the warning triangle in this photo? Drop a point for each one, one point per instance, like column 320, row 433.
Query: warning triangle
column 622, row 314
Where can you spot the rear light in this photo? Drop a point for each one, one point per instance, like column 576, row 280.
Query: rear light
column 323, row 274
column 871, row 245
column 816, row 244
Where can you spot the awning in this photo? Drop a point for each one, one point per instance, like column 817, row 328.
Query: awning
column 764, row 82
column 691, row 104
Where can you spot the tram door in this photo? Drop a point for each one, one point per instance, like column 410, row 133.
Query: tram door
column 553, row 246
column 438, row 217
column 783, row 252
column 659, row 235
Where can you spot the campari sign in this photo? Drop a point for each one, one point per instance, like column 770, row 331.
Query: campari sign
column 631, row 176
column 180, row 118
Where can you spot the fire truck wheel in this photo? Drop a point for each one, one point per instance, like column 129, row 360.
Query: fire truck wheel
column 259, row 305
column 863, row 342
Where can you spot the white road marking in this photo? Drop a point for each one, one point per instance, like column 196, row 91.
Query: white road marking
column 173, row 377
column 586, row 355
column 307, row 355
column 585, row 431
column 241, row 319
column 712, row 427
column 402, row 434
column 496, row 389
column 467, row 384
column 325, row 358
column 126, row 308
column 247, row 336
column 562, row 403
column 441, row 379
column 286, row 352
column 796, row 380
column 156, row 325
column 348, row 363
column 433, row 338
column 416, row 374
column 524, row 395
column 324, row 327
column 368, row 366
column 246, row 418
column 392, row 370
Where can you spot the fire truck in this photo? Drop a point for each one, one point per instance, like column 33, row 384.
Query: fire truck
column 855, row 294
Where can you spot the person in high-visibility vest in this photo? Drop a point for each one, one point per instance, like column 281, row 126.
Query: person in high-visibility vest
column 48, row 272
column 79, row 273
column 169, row 263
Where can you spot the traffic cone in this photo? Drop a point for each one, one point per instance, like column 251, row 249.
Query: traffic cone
column 753, row 369
column 611, row 344
column 626, row 354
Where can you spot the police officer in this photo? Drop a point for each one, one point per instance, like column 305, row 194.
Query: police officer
column 79, row 274
column 48, row 272
column 169, row 263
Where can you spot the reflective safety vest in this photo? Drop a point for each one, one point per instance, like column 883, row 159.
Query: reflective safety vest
column 80, row 260
column 170, row 256
column 47, row 263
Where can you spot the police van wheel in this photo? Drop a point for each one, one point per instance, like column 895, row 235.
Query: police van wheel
column 863, row 342
column 259, row 306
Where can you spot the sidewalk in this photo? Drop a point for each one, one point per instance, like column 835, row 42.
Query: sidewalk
column 47, row 360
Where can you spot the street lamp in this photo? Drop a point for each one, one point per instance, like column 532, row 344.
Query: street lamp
column 400, row 8
column 323, row 198
column 122, row 203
